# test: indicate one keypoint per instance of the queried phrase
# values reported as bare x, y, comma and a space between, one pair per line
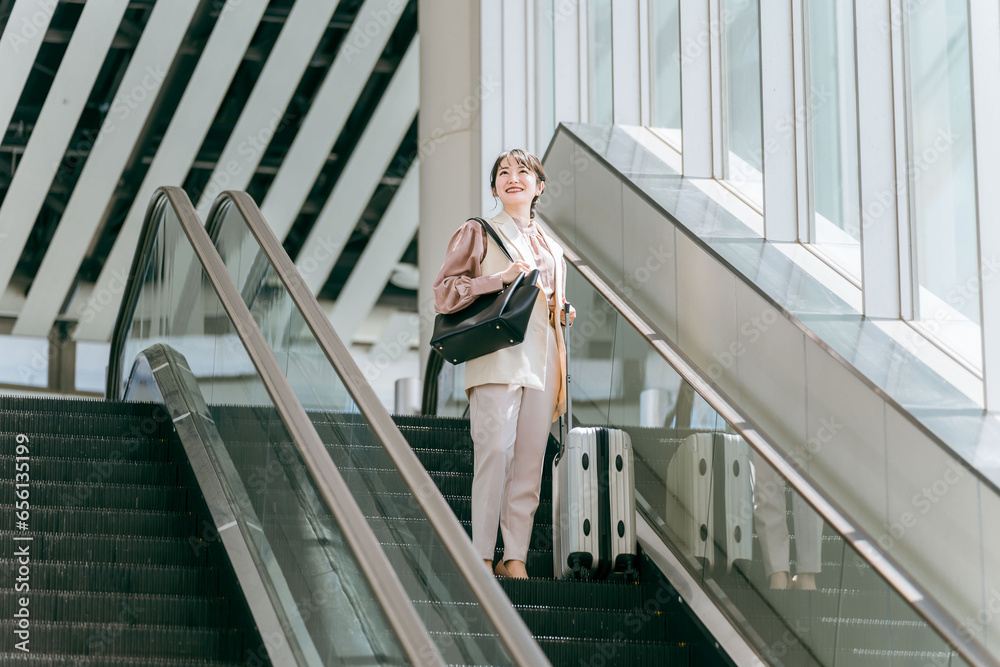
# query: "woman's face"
516, 185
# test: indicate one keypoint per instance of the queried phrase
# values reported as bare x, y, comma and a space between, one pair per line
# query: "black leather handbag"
491, 322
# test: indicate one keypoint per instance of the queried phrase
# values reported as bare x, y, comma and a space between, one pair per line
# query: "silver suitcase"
710, 497
593, 502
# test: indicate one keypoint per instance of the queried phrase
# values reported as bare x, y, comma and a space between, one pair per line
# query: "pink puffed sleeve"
459, 282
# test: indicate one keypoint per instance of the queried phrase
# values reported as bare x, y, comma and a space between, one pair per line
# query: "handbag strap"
496, 237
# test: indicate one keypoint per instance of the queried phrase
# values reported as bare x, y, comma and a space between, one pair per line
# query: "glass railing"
472, 621
336, 597
723, 497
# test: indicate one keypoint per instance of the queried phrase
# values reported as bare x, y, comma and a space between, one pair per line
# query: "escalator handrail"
382, 579
518, 641
939, 618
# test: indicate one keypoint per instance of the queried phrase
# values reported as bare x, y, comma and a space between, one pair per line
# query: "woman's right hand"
512, 271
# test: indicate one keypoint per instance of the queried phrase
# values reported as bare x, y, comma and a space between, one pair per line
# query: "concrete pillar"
451, 182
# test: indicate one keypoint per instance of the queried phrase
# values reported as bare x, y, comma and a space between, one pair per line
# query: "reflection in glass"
941, 171
599, 48
741, 55
665, 63
833, 131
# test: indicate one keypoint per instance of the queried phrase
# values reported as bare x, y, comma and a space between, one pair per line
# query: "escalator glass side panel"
442, 597
315, 583
801, 592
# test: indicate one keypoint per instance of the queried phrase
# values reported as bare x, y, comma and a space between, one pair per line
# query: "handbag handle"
493, 235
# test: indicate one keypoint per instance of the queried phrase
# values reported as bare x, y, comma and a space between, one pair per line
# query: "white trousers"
510, 429
771, 523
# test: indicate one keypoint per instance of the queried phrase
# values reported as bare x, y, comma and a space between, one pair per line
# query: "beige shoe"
511, 568
779, 581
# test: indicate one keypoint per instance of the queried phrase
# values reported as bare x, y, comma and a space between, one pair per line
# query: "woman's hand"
512, 271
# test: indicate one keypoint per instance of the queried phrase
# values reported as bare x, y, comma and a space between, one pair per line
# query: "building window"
601, 82
665, 64
742, 107
831, 104
545, 86
944, 253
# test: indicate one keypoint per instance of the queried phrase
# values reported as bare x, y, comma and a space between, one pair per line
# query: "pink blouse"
459, 282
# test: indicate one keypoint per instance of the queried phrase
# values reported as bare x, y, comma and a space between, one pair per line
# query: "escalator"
345, 531
111, 564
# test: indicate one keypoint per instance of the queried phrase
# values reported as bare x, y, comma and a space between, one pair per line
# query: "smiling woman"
515, 393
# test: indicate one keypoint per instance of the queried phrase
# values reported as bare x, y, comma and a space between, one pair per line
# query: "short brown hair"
525, 159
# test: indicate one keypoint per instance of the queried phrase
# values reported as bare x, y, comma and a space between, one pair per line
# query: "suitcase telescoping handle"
566, 426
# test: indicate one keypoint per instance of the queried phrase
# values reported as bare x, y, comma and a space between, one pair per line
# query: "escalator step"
97, 495
108, 549
76, 406
431, 423
38, 660
156, 426
103, 522
576, 594
862, 657
98, 449
618, 649
87, 639
82, 470
76, 607
119, 577
571, 623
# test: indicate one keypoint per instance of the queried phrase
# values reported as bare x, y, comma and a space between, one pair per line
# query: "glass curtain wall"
599, 50
741, 57
831, 104
944, 250
665, 66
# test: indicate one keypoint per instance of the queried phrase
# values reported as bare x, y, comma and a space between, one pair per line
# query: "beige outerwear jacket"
523, 364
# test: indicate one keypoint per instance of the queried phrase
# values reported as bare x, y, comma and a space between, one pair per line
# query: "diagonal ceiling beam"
271, 94
52, 132
388, 243
130, 109
216, 67
328, 112
19, 44
362, 173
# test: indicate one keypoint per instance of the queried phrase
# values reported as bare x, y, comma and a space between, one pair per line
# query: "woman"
514, 394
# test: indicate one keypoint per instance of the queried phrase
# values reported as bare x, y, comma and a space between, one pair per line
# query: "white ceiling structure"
309, 106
